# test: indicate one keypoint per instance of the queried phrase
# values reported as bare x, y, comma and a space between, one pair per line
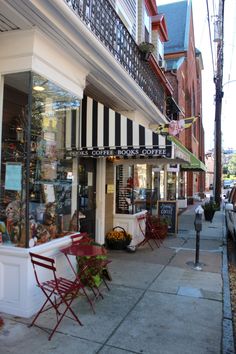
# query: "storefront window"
181, 185
137, 188
171, 185
124, 189
38, 192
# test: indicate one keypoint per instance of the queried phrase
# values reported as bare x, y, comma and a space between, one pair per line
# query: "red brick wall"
186, 82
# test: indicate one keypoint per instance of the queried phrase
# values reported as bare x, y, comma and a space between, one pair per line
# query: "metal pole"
218, 107
197, 249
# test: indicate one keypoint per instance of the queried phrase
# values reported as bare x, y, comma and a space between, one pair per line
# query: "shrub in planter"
210, 208
146, 49
92, 275
118, 238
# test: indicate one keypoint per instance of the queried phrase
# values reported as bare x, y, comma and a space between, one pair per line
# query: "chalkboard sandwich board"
167, 209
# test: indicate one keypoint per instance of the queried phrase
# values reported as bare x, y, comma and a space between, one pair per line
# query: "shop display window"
37, 181
181, 185
171, 185
136, 189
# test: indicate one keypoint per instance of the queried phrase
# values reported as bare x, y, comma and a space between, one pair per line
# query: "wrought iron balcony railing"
103, 21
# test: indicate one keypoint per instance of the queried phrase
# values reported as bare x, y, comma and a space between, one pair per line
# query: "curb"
227, 322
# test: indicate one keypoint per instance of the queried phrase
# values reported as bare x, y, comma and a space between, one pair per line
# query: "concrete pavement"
157, 304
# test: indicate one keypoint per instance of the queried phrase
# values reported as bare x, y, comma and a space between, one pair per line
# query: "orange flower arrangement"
118, 238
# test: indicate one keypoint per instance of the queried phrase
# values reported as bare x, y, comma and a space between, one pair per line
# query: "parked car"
228, 184
230, 214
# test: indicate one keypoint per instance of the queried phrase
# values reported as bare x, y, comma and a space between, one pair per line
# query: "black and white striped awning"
104, 132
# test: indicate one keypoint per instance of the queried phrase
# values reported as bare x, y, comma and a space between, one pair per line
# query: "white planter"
130, 224
182, 203
19, 294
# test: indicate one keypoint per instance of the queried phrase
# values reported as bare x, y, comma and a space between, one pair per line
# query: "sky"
202, 42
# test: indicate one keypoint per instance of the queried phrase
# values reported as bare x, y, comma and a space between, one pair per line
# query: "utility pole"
218, 79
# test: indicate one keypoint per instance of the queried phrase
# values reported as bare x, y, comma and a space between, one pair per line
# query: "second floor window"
160, 49
146, 26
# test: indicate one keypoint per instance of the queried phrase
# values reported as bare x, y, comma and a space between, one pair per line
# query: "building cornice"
159, 24
151, 7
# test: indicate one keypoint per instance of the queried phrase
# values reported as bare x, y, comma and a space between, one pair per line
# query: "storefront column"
165, 182
74, 186
100, 200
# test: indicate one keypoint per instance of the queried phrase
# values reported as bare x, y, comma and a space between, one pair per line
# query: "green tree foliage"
232, 165
225, 169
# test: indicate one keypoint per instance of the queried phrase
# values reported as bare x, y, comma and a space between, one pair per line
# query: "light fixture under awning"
104, 132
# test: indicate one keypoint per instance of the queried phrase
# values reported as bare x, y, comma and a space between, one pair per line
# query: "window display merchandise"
37, 174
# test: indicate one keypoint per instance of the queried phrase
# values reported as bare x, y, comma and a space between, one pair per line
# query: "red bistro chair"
152, 230
82, 237
58, 291
146, 231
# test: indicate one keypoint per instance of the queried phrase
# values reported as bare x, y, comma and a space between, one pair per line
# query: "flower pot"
145, 55
117, 239
117, 244
146, 50
209, 214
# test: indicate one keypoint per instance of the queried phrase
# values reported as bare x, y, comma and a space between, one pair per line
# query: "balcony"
100, 17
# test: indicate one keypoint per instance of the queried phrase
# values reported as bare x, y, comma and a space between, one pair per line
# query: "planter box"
182, 203
130, 224
20, 296
209, 214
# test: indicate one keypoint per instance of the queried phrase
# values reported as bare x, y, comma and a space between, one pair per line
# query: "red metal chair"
152, 230
147, 231
82, 237
58, 291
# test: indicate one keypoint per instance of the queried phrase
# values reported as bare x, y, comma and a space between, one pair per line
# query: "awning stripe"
141, 135
73, 128
155, 139
106, 127
123, 132
136, 135
104, 132
117, 129
112, 130
83, 121
129, 132
95, 124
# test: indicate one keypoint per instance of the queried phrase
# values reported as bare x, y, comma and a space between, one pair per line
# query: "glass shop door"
87, 195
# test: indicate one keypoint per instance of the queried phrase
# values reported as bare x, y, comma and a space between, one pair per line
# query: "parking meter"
198, 228
198, 222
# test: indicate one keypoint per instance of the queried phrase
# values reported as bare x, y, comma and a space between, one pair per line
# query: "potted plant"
210, 208
146, 49
118, 238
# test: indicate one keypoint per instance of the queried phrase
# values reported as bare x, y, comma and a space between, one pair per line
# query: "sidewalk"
157, 304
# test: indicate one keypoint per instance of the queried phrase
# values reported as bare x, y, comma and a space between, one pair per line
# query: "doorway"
87, 195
